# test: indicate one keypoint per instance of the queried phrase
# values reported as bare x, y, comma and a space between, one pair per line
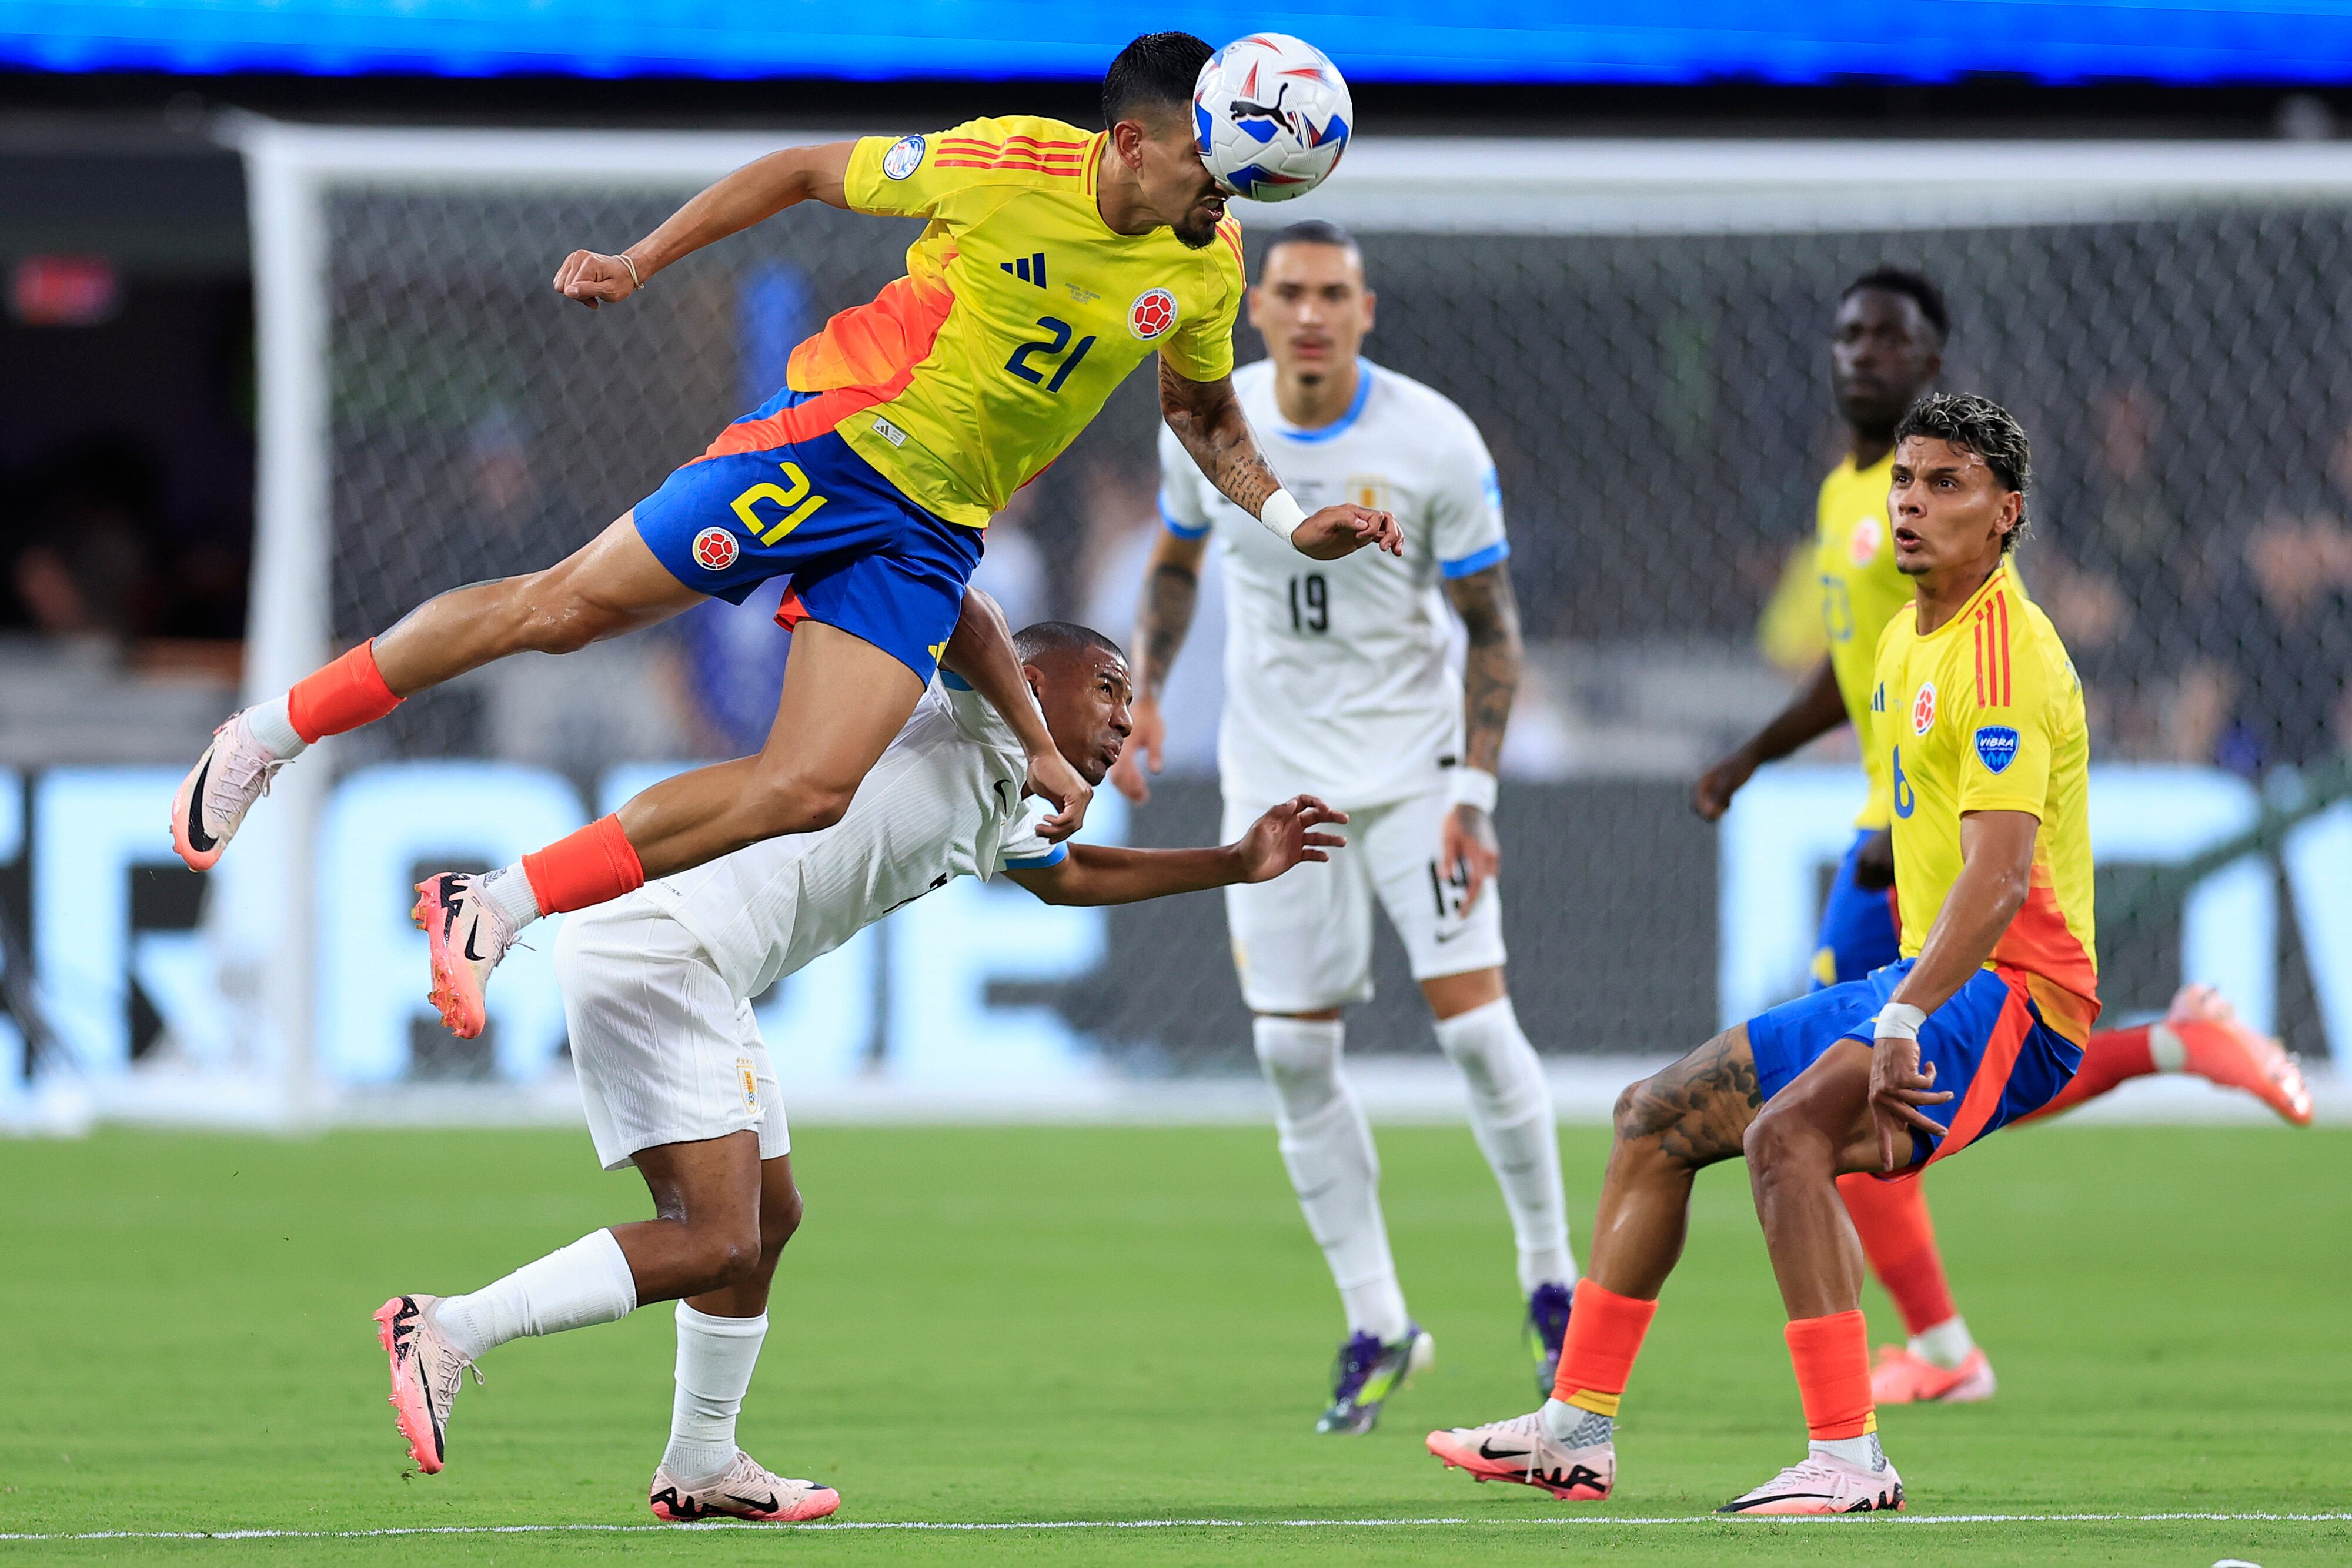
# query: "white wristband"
1281, 515
1473, 787
1898, 1020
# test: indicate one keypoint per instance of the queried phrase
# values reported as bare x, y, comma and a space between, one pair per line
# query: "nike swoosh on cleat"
768, 1505
198, 840
1776, 1497
470, 930
1488, 1451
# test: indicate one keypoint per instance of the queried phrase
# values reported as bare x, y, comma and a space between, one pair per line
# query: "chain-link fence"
1659, 411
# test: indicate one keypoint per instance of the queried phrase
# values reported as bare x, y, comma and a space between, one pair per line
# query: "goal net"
1640, 329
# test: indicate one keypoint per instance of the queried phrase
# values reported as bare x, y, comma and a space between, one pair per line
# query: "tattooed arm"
1207, 418
1169, 592
1490, 679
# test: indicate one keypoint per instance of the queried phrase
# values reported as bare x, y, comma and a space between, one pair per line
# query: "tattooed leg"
1669, 1125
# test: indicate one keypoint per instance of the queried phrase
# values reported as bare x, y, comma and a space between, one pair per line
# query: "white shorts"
1303, 942
664, 1052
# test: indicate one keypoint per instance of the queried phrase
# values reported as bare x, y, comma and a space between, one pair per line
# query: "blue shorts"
1859, 931
862, 557
1991, 1049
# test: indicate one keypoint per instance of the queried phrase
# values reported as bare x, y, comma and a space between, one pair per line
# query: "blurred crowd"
94, 550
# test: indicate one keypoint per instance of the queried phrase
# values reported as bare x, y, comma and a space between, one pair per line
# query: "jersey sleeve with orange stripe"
1985, 713
994, 153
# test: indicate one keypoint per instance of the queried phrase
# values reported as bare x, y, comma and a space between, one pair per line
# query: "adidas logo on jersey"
1029, 268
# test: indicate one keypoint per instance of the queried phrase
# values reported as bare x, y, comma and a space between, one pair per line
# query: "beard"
1195, 235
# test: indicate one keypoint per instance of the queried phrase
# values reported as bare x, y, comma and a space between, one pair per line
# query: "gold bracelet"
634, 281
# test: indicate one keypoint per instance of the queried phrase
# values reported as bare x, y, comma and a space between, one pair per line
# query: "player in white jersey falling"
657, 994
1337, 682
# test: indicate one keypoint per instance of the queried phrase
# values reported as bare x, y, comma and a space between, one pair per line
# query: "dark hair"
1980, 425
1154, 74
1914, 287
1032, 644
1307, 231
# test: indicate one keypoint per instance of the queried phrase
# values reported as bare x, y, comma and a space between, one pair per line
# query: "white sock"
715, 1358
1863, 1453
509, 890
586, 1282
1575, 1425
1328, 1146
1511, 1114
274, 727
1946, 1345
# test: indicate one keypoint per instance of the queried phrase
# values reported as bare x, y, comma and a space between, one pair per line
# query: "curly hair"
1978, 426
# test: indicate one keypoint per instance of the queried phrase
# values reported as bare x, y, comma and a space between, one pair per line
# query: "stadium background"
276, 358
1645, 358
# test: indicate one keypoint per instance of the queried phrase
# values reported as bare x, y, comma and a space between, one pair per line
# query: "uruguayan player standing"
1337, 680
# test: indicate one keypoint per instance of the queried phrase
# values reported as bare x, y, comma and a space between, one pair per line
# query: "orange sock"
1604, 1335
342, 696
1899, 1239
1832, 1359
2112, 1057
593, 865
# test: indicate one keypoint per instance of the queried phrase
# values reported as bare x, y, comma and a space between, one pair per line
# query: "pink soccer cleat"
1902, 1377
2201, 1034
1822, 1485
744, 1489
426, 1373
1523, 1449
467, 935
233, 771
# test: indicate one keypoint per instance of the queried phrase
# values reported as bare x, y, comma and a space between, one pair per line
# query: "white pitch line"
1589, 1519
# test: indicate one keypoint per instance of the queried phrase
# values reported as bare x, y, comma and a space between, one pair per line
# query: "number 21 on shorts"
793, 497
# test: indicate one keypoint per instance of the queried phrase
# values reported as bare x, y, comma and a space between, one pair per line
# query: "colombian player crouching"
1978, 712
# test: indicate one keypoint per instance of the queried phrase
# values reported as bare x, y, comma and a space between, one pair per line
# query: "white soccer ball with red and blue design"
1272, 116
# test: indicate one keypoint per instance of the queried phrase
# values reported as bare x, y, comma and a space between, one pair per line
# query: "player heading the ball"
1053, 262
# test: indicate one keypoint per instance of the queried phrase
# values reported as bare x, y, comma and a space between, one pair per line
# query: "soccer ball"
1272, 117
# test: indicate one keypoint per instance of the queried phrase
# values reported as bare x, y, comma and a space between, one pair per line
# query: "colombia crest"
1152, 314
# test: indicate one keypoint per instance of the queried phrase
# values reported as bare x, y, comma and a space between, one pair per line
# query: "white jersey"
944, 801
1336, 676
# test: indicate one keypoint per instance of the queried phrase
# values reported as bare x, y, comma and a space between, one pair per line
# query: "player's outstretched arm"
1172, 587
1816, 709
1995, 871
1490, 681
980, 653
1207, 418
1104, 873
759, 189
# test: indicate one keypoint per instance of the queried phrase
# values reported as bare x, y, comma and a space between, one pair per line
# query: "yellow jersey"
1019, 314
1853, 560
1985, 713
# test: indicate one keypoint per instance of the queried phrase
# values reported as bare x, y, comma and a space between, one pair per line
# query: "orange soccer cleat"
2201, 1034
1902, 1377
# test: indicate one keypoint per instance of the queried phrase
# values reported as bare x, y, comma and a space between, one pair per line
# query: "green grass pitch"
1003, 1325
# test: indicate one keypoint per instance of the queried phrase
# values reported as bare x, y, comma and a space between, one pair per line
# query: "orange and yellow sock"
1831, 1356
1604, 1335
